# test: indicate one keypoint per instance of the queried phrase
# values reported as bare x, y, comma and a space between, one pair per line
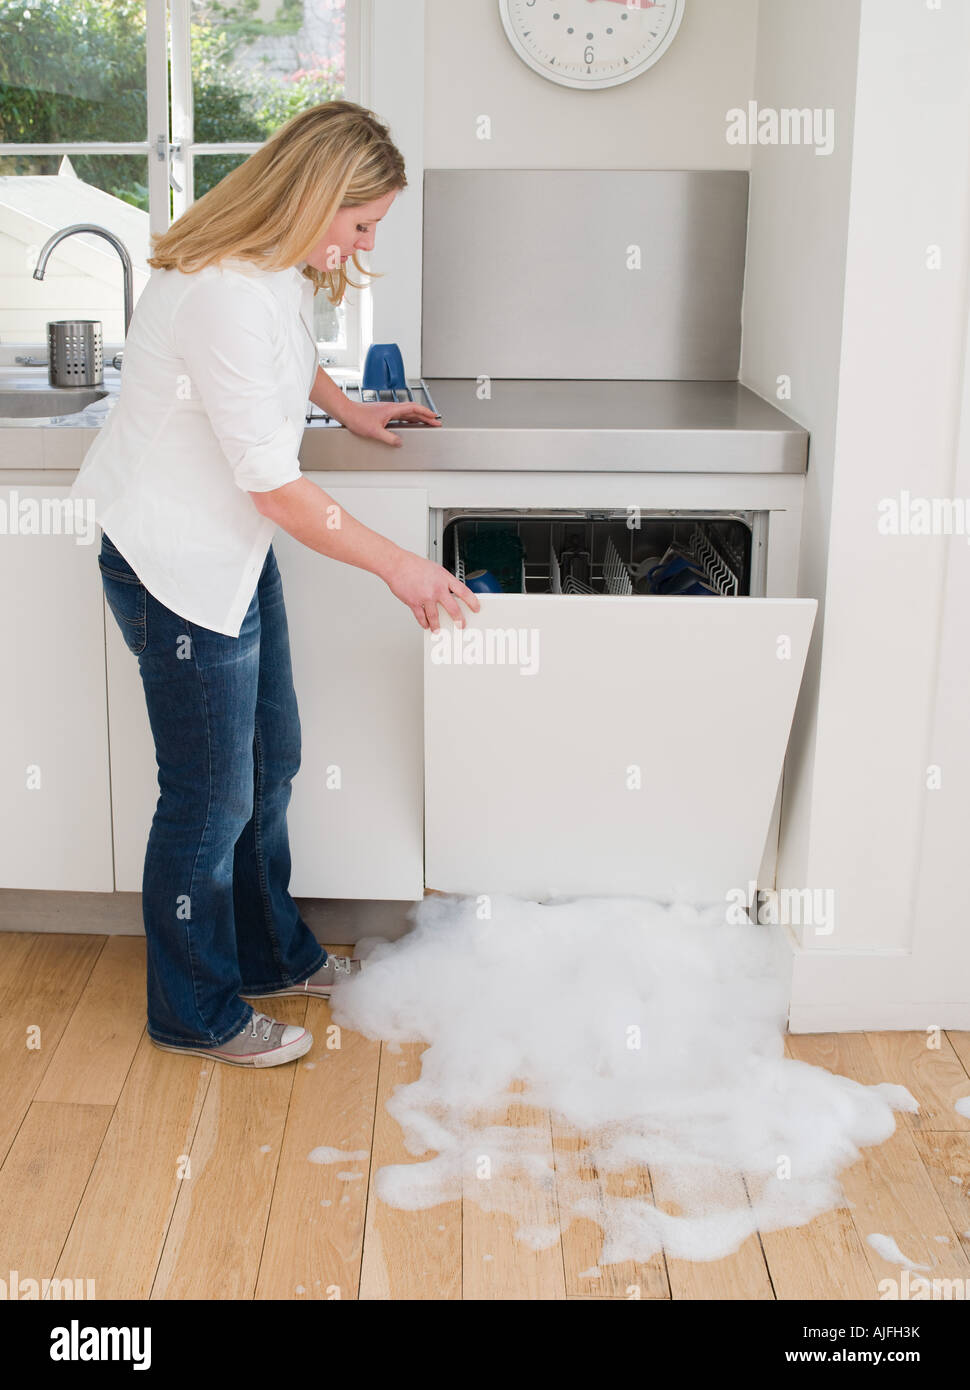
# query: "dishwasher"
728, 549
587, 733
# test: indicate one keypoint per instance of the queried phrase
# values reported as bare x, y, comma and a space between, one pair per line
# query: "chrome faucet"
116, 242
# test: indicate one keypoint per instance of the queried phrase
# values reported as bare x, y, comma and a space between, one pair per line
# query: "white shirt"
218, 367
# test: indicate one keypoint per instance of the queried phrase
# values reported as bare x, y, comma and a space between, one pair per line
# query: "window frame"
170, 149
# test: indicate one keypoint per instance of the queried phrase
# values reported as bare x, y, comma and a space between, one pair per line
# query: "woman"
194, 469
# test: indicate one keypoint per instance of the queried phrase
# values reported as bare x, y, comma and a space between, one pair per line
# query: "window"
120, 112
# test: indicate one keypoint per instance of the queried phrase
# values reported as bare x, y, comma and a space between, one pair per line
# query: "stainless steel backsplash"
528, 273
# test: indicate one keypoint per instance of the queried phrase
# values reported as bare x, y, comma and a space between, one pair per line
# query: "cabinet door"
356, 814
608, 745
134, 776
53, 708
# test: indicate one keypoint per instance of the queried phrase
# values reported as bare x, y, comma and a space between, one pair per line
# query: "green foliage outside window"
76, 71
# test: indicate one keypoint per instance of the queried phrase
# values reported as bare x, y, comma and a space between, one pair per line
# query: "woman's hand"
369, 419
422, 585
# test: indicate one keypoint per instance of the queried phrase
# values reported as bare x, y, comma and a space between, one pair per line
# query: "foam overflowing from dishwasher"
649, 1034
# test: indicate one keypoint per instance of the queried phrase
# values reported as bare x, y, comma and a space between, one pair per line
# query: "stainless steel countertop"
535, 426
607, 405
586, 426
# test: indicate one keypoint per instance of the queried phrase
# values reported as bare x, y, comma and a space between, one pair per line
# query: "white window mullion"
358, 48
75, 147
183, 116
156, 71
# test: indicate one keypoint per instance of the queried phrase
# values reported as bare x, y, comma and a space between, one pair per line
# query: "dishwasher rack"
727, 548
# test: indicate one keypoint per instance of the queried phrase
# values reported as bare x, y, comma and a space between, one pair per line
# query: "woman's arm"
311, 516
368, 419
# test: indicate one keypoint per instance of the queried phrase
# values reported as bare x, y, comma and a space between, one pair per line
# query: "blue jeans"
219, 918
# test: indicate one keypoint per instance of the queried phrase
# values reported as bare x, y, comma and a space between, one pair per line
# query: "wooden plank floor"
158, 1176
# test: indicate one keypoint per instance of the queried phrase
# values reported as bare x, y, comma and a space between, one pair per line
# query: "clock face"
591, 43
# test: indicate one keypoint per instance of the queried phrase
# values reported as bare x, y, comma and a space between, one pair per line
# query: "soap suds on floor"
323, 1154
889, 1250
962, 1107
652, 1033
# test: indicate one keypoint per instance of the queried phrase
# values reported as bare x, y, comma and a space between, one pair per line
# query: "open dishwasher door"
604, 745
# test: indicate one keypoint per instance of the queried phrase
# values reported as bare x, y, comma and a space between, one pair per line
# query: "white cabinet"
54, 745
605, 744
356, 814
134, 778
355, 817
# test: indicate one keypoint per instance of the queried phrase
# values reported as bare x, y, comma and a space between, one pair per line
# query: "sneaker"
321, 982
263, 1042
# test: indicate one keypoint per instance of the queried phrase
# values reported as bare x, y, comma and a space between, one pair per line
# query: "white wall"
671, 117
436, 66
390, 54
891, 961
941, 948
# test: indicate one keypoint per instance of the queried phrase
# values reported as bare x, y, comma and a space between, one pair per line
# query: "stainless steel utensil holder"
74, 352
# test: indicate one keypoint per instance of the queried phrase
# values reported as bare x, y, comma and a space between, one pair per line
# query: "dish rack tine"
555, 574
719, 575
459, 559
569, 585
615, 572
731, 576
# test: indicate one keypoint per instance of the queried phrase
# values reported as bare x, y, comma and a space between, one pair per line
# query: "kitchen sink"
34, 402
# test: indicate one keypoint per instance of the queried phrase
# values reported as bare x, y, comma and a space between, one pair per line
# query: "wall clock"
591, 43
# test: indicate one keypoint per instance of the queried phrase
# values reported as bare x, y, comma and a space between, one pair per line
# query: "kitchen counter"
524, 426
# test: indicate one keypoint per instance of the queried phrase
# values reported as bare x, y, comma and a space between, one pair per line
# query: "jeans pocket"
126, 597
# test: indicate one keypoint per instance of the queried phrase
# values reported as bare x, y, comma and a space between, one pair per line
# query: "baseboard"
333, 921
883, 1016
890, 990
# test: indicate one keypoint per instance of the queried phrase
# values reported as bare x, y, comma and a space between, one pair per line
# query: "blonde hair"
273, 208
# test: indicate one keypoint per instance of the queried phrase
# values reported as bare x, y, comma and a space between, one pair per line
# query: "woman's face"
352, 229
